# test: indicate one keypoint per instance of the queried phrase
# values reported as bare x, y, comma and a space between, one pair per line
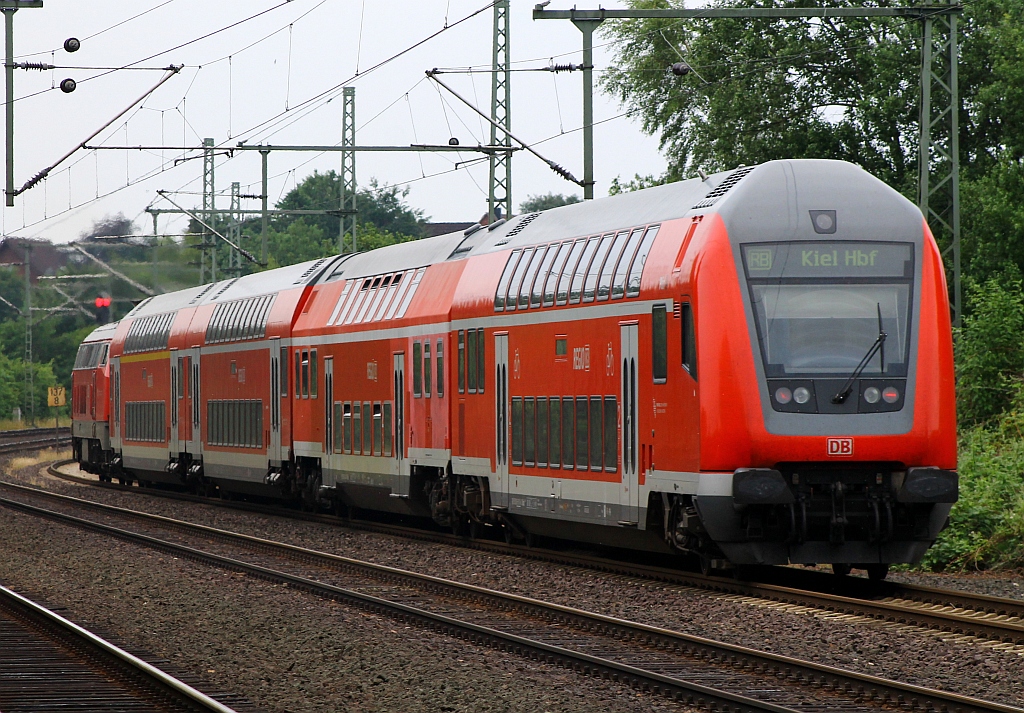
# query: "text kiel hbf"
826, 258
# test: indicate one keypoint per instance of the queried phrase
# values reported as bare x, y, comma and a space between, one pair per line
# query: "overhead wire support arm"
564, 173
141, 288
245, 253
171, 71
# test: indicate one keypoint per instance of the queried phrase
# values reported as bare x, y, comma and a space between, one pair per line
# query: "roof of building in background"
47, 258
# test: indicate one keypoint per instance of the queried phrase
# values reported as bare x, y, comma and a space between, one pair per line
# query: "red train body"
90, 401
756, 367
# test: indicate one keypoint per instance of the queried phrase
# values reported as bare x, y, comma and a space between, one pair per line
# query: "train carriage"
90, 403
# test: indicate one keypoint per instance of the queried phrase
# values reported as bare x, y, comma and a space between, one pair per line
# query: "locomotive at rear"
828, 429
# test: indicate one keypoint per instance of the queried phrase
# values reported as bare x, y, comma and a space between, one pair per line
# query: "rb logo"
839, 447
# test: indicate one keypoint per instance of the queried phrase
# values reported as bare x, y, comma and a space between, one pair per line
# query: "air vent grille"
310, 270
520, 227
724, 187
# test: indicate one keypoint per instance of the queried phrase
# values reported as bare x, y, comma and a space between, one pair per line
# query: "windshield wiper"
879, 344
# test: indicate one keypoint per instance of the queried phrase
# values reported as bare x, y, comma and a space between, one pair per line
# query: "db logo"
839, 447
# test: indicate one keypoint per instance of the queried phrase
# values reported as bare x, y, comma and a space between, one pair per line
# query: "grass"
47, 422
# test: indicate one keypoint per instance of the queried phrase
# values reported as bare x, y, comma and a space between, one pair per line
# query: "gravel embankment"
920, 658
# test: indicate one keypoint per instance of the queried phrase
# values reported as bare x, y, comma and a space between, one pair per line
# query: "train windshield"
820, 306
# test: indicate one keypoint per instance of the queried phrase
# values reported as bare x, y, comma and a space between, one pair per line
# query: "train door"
501, 405
175, 443
195, 444
401, 482
274, 452
328, 408
115, 402
629, 492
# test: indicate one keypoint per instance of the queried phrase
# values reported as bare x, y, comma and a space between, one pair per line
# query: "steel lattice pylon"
939, 162
235, 230
209, 205
348, 213
500, 195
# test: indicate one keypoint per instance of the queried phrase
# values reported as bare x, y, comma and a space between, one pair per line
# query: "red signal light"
99, 302
102, 302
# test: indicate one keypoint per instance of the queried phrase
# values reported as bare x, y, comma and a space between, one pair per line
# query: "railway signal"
102, 304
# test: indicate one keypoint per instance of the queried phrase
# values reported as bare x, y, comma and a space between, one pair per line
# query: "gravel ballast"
912, 656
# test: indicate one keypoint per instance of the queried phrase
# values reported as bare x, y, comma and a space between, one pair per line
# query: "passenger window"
604, 285
530, 277
517, 279
347, 420
417, 369
181, 377
462, 361
578, 275
596, 265
439, 357
387, 428
637, 269
305, 374
568, 432
659, 344
625, 260
542, 432
426, 368
338, 426
530, 432
596, 425
582, 453
471, 338
562, 295
378, 430
555, 437
357, 427
506, 277
367, 429
298, 378
556, 270
314, 369
611, 434
537, 294
689, 338
517, 430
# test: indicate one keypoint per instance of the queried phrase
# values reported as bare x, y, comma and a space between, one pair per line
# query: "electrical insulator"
453, 141
72, 44
68, 85
680, 69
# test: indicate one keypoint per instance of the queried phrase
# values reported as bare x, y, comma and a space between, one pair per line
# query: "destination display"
828, 259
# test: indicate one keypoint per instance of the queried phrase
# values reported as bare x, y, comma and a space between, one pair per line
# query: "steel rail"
98, 648
929, 608
744, 658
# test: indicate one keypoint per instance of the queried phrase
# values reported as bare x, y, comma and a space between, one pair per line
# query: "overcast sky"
253, 82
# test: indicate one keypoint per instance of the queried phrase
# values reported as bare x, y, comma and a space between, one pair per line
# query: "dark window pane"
427, 372
314, 369
689, 341
582, 459
578, 275
284, 371
596, 265
566, 277
506, 276
529, 277
298, 380
568, 432
556, 433
611, 434
357, 426
305, 373
636, 271
517, 431
387, 428
530, 432
471, 338
542, 431
556, 271
347, 417
377, 429
439, 357
417, 369
338, 424
596, 424
367, 429
517, 279
462, 361
481, 355
659, 343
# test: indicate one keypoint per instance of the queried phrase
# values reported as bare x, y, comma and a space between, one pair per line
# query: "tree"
110, 226
533, 204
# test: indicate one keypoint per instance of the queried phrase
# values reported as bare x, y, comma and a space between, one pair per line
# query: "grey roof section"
394, 258
168, 302
101, 334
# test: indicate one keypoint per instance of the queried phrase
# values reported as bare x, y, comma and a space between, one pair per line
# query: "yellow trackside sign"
55, 396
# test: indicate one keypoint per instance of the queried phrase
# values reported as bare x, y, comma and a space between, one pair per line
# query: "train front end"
90, 402
833, 429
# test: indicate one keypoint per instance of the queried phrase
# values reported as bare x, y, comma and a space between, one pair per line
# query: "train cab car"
755, 367
90, 378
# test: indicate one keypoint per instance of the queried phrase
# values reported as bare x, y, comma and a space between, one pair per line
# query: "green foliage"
990, 347
12, 387
637, 183
986, 527
533, 204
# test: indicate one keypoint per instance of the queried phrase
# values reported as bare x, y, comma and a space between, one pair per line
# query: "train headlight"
871, 395
783, 395
801, 394
891, 394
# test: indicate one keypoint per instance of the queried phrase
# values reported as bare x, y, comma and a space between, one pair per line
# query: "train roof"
101, 334
398, 257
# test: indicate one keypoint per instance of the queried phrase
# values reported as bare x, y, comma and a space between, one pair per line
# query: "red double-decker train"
755, 367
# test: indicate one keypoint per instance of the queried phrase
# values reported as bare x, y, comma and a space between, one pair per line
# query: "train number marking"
581, 358
839, 447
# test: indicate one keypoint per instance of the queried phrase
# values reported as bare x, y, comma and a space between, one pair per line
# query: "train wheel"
877, 572
841, 569
123, 480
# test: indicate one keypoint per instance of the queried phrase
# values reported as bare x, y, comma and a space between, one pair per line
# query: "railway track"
995, 620
48, 663
33, 438
688, 668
